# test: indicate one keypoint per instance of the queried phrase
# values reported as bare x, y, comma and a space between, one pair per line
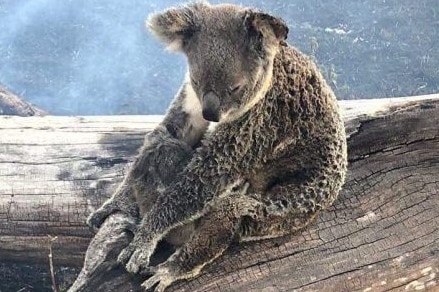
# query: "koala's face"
229, 51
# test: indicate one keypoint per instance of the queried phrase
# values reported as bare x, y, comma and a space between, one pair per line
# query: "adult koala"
276, 157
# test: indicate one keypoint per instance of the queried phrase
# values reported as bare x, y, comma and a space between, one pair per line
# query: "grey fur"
165, 152
276, 158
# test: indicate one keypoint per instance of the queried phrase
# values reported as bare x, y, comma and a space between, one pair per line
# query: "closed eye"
235, 89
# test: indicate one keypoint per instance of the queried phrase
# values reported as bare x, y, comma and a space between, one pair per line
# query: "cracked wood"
381, 234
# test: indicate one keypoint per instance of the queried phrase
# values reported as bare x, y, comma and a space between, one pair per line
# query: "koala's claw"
130, 224
138, 262
135, 259
95, 220
161, 277
149, 271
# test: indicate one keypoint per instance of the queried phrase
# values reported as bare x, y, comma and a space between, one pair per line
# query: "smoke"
85, 57
92, 57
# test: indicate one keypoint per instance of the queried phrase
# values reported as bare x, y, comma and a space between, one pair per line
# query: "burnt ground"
373, 48
31, 278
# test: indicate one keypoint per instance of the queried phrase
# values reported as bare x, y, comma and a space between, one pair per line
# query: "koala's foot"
164, 276
136, 255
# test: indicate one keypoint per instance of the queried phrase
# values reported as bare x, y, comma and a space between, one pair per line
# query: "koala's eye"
235, 88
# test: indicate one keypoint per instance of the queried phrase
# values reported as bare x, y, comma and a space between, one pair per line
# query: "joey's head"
230, 52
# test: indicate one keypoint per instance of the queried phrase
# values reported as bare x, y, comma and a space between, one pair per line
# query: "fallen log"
381, 234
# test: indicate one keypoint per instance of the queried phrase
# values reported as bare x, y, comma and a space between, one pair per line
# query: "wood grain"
381, 234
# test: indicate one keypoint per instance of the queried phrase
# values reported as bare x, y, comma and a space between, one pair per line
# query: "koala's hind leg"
213, 235
286, 209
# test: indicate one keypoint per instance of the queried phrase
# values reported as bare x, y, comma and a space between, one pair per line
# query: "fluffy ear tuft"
269, 26
175, 25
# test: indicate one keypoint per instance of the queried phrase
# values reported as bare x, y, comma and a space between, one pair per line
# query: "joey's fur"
164, 154
276, 157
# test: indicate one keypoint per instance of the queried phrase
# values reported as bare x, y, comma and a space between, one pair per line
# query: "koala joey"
276, 157
165, 152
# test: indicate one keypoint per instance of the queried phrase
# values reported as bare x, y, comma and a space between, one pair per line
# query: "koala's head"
230, 52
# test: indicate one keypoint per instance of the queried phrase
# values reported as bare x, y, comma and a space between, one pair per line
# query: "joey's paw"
95, 219
162, 278
130, 224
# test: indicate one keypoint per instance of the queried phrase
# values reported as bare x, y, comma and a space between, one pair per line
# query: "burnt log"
381, 234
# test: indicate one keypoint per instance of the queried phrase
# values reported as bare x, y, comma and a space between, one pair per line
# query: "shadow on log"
381, 234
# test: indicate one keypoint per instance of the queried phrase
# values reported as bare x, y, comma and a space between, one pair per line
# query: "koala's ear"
269, 26
175, 25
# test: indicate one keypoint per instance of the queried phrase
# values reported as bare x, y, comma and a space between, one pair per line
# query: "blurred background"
95, 57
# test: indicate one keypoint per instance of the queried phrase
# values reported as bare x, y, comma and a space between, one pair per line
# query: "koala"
276, 157
164, 154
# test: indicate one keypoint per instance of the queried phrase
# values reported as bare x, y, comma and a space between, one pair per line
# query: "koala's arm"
165, 152
183, 202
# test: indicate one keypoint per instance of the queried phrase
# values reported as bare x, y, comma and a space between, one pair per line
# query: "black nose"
211, 107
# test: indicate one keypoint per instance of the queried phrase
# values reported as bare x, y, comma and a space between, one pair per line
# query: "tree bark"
381, 234
11, 104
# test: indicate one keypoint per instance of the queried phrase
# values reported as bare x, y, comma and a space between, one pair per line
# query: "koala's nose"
211, 107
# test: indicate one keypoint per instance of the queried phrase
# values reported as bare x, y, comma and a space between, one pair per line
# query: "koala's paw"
135, 257
114, 205
163, 277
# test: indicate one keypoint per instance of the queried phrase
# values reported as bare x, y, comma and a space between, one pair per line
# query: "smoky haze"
92, 57
82, 56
